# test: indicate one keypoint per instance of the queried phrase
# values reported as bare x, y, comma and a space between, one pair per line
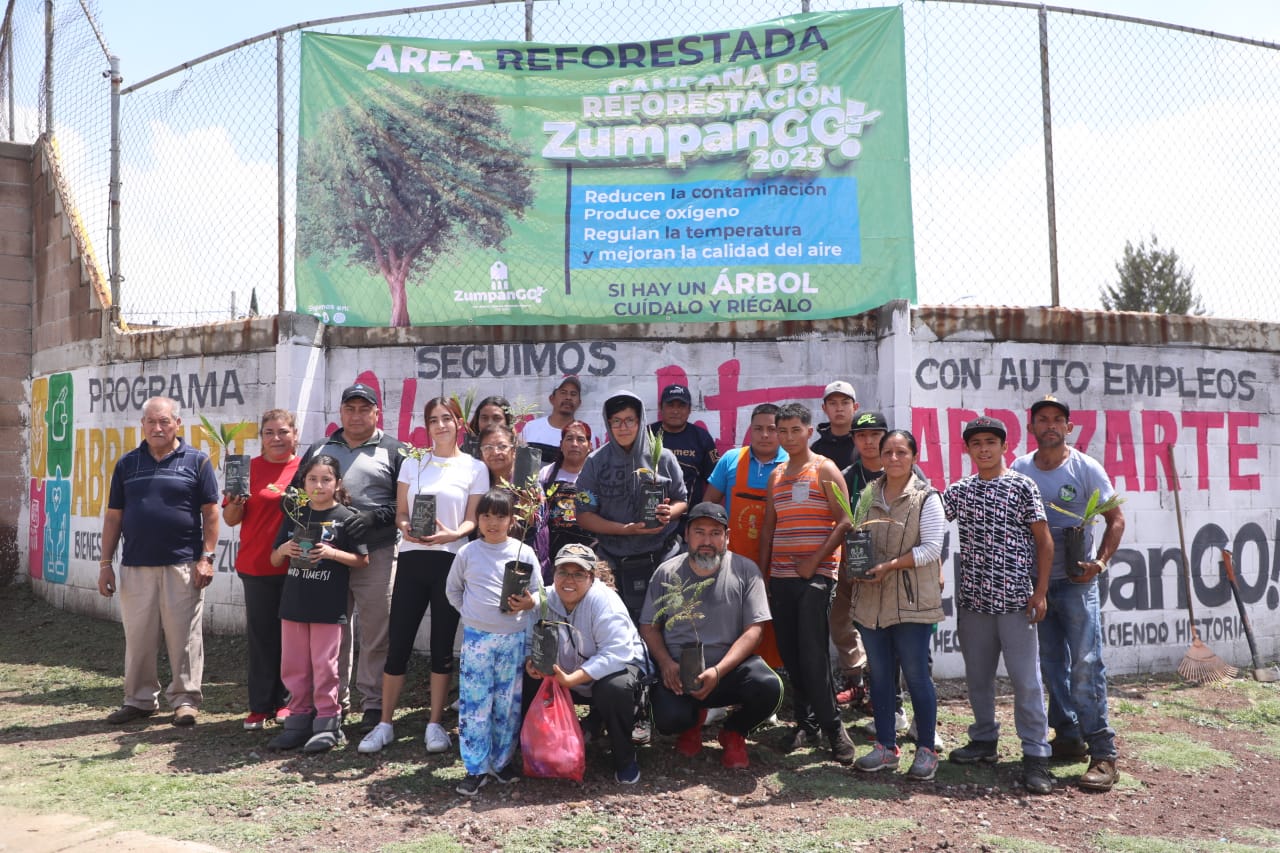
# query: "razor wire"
1155, 130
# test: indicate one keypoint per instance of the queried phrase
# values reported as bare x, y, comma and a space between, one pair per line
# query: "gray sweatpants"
983, 638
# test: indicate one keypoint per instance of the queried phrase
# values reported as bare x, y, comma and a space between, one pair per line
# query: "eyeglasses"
573, 576
495, 448
624, 423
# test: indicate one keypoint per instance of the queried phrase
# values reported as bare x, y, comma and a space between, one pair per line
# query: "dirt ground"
1199, 772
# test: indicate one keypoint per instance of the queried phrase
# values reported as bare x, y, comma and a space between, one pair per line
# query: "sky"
151, 36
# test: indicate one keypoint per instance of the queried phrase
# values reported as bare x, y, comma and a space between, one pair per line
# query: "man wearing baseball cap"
370, 460
835, 436
1071, 634
1001, 582
544, 433
732, 609
692, 445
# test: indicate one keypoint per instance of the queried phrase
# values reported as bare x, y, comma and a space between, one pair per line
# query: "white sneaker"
437, 739
383, 735
642, 732
900, 725
938, 743
716, 715
453, 706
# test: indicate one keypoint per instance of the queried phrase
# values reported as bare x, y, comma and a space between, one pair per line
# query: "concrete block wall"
16, 283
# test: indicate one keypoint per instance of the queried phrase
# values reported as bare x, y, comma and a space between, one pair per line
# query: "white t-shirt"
540, 431
453, 480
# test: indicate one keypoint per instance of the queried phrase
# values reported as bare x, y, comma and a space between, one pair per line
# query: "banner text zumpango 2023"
749, 174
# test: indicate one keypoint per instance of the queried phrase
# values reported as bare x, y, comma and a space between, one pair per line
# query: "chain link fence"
1155, 130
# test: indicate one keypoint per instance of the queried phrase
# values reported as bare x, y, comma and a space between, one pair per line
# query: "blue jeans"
907, 644
1071, 664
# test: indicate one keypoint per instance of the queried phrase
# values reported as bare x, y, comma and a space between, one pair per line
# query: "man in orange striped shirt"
800, 542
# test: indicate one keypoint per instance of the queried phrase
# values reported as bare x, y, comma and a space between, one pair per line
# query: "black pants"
420, 582
613, 705
267, 693
751, 685
801, 609
631, 575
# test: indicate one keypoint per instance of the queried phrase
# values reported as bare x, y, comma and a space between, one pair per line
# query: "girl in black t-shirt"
313, 609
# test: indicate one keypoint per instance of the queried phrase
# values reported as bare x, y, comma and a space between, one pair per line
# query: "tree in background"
403, 177
1153, 280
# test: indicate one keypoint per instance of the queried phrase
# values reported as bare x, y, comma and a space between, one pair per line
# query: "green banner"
752, 174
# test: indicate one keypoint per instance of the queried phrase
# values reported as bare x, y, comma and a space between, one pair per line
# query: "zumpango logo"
499, 295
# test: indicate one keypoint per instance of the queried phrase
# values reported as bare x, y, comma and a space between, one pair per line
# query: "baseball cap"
839, 387
870, 421
676, 392
579, 555
710, 510
984, 424
362, 391
1050, 400
570, 379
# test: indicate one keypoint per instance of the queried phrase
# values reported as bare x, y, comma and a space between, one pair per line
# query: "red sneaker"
255, 722
689, 743
735, 750
282, 715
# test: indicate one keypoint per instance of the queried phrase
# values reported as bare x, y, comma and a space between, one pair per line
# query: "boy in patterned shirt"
1006, 552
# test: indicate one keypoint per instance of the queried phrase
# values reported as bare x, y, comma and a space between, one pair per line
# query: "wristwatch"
209, 555
1103, 563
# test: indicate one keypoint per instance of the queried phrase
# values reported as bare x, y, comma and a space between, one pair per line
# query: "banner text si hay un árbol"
749, 174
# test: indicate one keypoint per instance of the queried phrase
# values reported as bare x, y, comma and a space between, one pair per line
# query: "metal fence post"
528, 20
1047, 118
280, 201
48, 68
113, 193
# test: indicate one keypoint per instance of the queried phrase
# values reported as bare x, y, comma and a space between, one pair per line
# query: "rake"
1199, 665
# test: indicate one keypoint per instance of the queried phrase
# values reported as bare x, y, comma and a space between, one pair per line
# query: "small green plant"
292, 502
857, 514
1094, 509
655, 457
465, 404
223, 435
681, 603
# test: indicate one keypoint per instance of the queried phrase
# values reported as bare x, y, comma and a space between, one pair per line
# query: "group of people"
678, 582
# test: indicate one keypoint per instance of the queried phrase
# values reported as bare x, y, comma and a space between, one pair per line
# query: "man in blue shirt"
1071, 634
164, 499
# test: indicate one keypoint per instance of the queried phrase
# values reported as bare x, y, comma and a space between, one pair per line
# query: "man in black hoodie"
835, 437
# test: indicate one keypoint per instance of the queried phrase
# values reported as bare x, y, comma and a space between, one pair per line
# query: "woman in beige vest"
897, 605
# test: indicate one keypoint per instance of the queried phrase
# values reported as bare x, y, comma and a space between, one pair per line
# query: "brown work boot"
1101, 775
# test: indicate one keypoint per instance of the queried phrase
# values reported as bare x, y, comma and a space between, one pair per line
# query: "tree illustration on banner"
400, 179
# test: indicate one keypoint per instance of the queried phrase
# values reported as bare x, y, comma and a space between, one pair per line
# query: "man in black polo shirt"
370, 461
164, 499
692, 445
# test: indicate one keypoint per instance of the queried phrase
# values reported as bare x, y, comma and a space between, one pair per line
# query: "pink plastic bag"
551, 739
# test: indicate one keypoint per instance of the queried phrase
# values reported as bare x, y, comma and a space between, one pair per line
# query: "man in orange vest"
739, 482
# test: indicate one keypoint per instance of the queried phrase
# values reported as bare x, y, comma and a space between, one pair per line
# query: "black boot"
326, 734
296, 732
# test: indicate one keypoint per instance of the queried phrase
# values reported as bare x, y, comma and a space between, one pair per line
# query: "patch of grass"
1176, 753
1125, 708
855, 829
1261, 714
436, 842
580, 829
1111, 843
1018, 845
1257, 833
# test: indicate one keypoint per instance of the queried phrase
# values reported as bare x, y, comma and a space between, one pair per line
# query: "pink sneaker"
282, 715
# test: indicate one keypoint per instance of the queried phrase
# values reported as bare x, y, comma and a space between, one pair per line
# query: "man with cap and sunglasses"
691, 444
1001, 581
370, 460
545, 433
1071, 634
732, 609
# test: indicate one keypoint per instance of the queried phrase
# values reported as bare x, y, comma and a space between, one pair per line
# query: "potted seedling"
305, 533
1073, 547
858, 558
516, 574
528, 459
652, 491
470, 440
544, 648
235, 466
681, 603
422, 515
